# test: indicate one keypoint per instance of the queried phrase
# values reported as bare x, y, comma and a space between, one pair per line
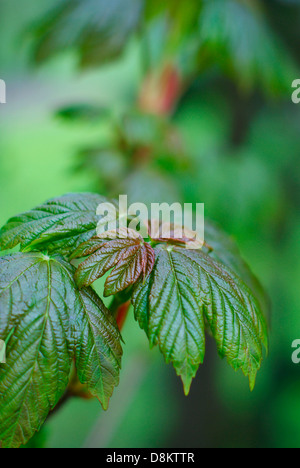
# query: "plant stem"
122, 314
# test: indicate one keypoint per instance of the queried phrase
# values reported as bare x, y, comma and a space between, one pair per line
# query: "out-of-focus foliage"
232, 34
137, 158
98, 29
82, 113
235, 35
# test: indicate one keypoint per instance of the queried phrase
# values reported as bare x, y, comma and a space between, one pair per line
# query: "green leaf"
233, 314
98, 29
32, 291
49, 321
130, 259
59, 225
226, 251
98, 348
187, 287
169, 308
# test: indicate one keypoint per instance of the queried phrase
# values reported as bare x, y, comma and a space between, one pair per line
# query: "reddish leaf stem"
121, 314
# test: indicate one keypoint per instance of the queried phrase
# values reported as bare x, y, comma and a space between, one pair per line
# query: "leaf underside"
187, 288
50, 322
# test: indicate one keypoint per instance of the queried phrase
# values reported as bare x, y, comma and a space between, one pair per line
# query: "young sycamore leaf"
49, 322
130, 259
59, 225
188, 288
177, 293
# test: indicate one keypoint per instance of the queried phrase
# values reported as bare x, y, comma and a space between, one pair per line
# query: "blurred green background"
194, 106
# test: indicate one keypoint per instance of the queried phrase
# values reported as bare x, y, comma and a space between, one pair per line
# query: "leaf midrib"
180, 301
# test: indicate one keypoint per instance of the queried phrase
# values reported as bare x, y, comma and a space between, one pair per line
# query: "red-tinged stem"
161, 91
121, 314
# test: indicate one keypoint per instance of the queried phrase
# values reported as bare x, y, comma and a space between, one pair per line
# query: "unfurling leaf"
59, 225
187, 287
174, 234
130, 258
49, 322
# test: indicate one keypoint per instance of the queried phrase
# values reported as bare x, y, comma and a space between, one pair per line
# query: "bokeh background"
173, 101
